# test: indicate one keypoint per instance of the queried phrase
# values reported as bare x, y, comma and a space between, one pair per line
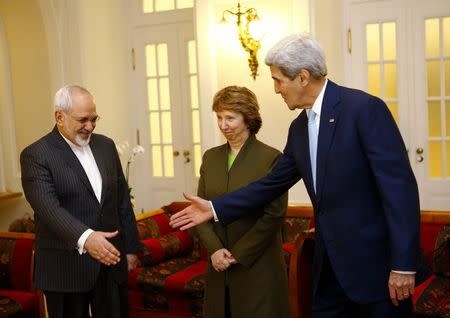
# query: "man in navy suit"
349, 152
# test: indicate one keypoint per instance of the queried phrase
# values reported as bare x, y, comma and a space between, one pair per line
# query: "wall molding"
9, 165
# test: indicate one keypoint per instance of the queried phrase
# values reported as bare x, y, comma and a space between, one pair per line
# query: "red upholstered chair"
169, 281
431, 298
17, 297
300, 275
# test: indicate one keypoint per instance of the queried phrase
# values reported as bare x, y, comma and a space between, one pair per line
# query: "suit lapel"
328, 121
70, 158
99, 157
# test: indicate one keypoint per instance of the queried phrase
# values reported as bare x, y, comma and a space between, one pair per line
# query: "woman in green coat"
246, 274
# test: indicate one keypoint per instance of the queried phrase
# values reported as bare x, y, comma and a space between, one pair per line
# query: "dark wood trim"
17, 235
300, 211
440, 217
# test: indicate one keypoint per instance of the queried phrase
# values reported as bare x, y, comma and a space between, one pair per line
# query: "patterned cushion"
293, 226
9, 307
442, 253
167, 246
22, 225
198, 250
153, 226
434, 300
25, 302
175, 285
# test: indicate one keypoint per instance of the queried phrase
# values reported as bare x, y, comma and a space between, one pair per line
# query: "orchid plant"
123, 148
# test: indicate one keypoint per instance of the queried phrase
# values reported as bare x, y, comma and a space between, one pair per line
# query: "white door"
431, 98
399, 50
168, 113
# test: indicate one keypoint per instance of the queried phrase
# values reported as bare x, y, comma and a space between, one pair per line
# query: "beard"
82, 141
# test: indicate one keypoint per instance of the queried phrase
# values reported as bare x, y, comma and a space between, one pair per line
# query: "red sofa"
17, 296
431, 297
170, 280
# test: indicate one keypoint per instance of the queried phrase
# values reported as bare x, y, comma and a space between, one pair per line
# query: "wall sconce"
249, 44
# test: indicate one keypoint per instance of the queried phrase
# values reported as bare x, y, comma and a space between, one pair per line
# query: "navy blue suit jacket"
366, 207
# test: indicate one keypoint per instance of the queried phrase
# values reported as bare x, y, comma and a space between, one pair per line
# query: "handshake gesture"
222, 259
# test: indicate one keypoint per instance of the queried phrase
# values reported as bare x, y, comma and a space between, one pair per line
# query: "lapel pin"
331, 120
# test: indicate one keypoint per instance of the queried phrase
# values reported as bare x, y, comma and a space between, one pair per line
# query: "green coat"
258, 282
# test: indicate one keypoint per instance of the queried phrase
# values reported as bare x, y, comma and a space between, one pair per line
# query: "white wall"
105, 61
328, 17
25, 97
88, 43
225, 62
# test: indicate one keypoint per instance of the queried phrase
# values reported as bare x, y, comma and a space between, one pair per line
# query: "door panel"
431, 47
401, 53
165, 80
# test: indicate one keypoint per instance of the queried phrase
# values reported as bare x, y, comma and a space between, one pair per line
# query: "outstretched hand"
198, 212
99, 247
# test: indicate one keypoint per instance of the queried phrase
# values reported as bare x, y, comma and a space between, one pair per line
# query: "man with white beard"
86, 237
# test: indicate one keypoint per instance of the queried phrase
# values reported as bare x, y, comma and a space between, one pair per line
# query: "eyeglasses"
84, 120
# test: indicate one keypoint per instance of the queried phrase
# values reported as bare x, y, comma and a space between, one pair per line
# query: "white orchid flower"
138, 149
122, 146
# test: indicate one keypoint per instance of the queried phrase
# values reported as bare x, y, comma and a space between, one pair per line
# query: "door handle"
186, 154
419, 152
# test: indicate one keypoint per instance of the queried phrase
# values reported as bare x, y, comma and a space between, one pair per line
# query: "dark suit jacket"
366, 208
64, 204
254, 240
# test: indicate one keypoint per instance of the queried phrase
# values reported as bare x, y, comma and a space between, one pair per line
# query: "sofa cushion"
18, 301
15, 263
431, 298
442, 253
153, 226
167, 246
173, 286
9, 307
293, 226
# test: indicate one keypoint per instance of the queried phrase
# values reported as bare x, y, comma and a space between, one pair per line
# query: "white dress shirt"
87, 160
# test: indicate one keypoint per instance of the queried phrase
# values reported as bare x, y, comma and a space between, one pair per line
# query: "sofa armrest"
300, 275
19, 256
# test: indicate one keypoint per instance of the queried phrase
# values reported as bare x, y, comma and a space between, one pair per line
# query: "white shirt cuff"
82, 240
403, 272
216, 219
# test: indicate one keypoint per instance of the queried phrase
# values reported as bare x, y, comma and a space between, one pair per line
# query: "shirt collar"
317, 106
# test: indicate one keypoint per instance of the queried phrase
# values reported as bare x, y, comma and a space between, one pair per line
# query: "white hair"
63, 97
296, 52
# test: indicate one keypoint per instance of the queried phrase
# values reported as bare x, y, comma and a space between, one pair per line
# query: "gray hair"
297, 52
63, 97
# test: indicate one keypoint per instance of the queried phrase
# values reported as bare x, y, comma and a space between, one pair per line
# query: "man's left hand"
401, 286
132, 261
